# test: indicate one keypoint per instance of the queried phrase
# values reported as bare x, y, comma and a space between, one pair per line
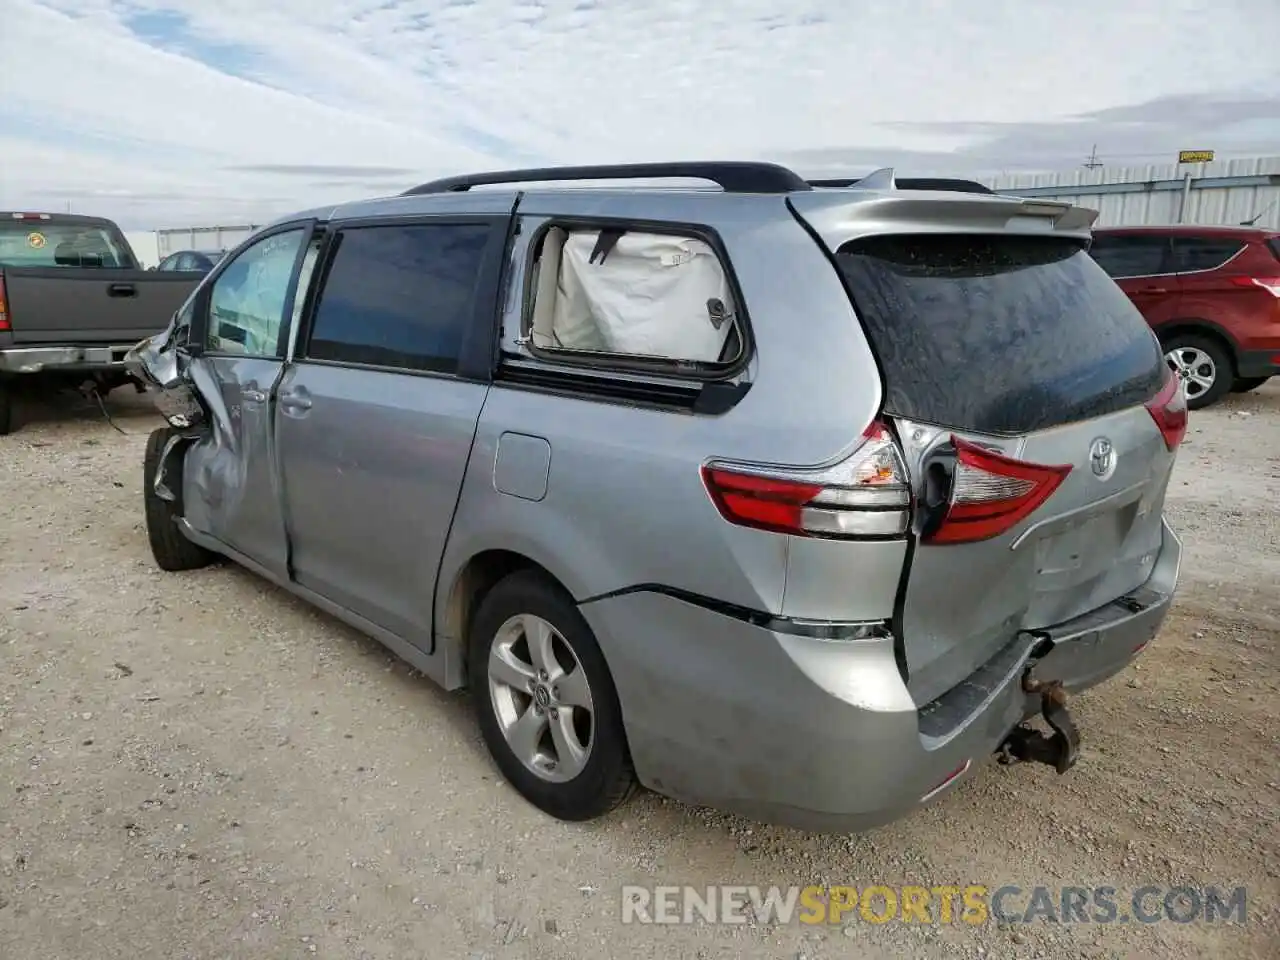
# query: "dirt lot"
200, 766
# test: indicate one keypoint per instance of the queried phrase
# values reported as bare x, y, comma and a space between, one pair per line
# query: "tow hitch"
1025, 743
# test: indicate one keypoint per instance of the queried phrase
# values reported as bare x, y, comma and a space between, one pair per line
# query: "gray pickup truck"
73, 300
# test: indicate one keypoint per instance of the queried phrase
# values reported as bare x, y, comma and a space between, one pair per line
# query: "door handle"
122, 290
294, 401
253, 396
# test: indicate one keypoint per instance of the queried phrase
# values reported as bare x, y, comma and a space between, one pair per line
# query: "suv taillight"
1269, 284
1168, 409
865, 495
992, 493
4, 308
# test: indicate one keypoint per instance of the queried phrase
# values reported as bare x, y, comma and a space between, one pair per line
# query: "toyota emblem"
1102, 458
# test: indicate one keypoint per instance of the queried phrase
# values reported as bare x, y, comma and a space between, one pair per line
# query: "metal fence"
202, 238
1227, 192
1223, 192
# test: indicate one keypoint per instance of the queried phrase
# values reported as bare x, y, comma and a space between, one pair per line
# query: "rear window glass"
1274, 244
36, 243
1131, 255
999, 334
1203, 253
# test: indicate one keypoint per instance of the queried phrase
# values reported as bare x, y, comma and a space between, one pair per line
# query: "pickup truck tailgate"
91, 305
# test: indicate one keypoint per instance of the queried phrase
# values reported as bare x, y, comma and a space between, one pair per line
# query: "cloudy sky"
174, 112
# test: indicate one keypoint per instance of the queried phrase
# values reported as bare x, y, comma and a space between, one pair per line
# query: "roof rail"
733, 176
918, 183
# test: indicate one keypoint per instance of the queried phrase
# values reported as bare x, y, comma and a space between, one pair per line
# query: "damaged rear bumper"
823, 735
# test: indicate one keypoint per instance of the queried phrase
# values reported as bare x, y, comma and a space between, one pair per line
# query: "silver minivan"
801, 500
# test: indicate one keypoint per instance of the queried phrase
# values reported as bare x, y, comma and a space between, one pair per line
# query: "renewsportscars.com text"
972, 904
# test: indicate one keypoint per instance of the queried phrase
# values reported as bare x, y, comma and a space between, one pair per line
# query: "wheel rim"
1194, 368
541, 698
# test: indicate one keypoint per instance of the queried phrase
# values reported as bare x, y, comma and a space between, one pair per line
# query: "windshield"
38, 243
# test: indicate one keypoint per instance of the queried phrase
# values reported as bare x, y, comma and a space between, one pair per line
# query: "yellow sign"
1195, 156
35, 240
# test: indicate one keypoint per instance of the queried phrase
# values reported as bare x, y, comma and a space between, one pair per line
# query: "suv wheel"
1245, 384
545, 701
172, 551
1204, 367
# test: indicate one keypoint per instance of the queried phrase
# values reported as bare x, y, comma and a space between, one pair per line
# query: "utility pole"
1092, 162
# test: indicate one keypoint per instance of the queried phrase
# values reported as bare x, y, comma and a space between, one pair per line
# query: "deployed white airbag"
649, 295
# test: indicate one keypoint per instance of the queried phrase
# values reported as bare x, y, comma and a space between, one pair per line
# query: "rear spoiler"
879, 204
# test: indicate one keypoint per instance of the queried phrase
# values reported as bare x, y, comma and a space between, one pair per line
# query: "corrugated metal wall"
1161, 202
144, 246
202, 238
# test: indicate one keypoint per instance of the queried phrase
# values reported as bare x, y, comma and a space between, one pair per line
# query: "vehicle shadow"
1264, 399
36, 403
449, 707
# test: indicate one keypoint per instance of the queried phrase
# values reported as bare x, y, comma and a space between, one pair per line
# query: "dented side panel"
231, 489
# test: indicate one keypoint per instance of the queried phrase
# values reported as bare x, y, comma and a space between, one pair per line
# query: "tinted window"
1130, 256
40, 243
1274, 244
247, 302
999, 334
1204, 253
399, 296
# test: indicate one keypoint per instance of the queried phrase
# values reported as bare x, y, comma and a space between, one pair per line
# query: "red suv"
1212, 295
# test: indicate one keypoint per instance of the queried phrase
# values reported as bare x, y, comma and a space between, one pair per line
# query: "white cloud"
150, 110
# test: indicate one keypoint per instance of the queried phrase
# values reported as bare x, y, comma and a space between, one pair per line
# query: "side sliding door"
377, 412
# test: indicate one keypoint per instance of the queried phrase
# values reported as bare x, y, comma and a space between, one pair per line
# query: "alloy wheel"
1194, 368
541, 698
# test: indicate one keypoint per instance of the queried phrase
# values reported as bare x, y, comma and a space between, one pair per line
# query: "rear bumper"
20, 360
822, 735
1258, 363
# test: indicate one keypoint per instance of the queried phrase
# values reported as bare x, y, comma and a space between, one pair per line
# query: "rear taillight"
866, 495
1168, 409
4, 308
1269, 284
992, 493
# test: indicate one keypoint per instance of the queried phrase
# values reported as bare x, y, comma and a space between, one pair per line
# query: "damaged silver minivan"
799, 500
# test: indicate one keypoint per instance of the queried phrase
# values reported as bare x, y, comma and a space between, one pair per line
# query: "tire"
6, 409
1204, 365
1245, 384
172, 551
575, 789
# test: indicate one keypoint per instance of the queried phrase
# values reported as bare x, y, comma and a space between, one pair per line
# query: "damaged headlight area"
159, 365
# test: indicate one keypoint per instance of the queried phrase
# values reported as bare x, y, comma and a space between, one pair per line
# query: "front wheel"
1204, 367
545, 700
1245, 384
172, 551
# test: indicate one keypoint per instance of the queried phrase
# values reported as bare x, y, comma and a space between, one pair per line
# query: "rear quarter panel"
624, 503
1248, 316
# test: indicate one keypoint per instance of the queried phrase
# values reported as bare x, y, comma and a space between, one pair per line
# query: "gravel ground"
198, 765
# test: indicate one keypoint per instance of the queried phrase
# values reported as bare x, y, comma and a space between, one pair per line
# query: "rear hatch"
1029, 396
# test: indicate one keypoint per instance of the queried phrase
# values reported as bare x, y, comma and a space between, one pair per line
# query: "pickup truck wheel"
6, 409
1245, 384
1203, 365
545, 701
172, 550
